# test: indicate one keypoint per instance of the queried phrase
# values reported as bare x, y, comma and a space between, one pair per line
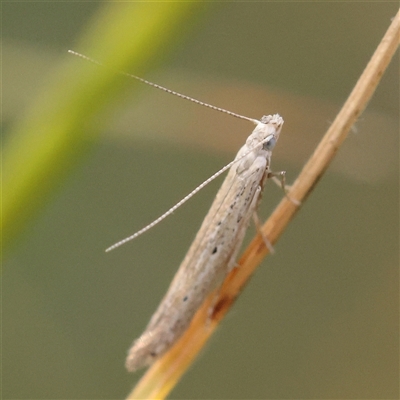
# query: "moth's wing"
207, 262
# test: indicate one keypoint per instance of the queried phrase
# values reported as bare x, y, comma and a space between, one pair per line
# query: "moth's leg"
267, 243
256, 220
280, 179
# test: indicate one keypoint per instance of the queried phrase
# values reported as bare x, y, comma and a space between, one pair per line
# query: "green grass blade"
59, 127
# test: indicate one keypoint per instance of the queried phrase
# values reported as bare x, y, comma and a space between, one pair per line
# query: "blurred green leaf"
59, 126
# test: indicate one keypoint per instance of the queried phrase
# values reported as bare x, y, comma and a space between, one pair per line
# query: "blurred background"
90, 157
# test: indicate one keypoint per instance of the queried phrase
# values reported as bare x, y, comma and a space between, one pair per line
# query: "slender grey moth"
213, 252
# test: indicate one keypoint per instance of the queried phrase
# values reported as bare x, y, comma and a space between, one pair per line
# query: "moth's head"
275, 121
271, 126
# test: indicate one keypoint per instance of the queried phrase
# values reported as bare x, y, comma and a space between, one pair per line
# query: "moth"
213, 252
212, 255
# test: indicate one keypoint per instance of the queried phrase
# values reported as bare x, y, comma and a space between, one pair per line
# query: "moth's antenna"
185, 199
254, 121
207, 181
